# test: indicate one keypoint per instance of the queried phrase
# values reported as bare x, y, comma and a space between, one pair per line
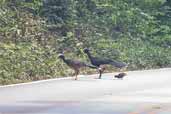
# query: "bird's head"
61, 56
86, 50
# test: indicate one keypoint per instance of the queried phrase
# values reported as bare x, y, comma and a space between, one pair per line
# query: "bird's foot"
97, 78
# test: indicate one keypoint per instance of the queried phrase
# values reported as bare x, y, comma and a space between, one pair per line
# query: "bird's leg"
101, 70
76, 74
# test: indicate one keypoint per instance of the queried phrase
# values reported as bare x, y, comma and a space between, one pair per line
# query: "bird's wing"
77, 63
83, 64
103, 61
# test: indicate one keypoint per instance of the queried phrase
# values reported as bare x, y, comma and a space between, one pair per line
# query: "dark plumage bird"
75, 65
99, 62
120, 75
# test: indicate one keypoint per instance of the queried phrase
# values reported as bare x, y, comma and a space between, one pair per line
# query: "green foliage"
27, 61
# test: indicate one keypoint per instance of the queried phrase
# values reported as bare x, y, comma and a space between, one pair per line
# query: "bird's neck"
64, 60
89, 56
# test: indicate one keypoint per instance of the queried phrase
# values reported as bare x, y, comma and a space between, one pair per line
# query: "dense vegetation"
33, 32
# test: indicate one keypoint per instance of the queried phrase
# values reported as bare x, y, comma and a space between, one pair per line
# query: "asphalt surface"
140, 92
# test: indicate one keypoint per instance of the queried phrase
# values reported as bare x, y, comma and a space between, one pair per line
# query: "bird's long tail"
118, 64
91, 66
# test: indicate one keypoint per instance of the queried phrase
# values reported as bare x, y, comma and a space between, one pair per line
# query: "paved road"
141, 92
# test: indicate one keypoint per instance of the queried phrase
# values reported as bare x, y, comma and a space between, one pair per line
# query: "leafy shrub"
28, 61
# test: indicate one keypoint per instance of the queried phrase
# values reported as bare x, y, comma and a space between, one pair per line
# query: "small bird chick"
120, 75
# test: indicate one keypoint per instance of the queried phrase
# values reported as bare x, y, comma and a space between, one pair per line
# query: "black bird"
99, 62
75, 65
120, 75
